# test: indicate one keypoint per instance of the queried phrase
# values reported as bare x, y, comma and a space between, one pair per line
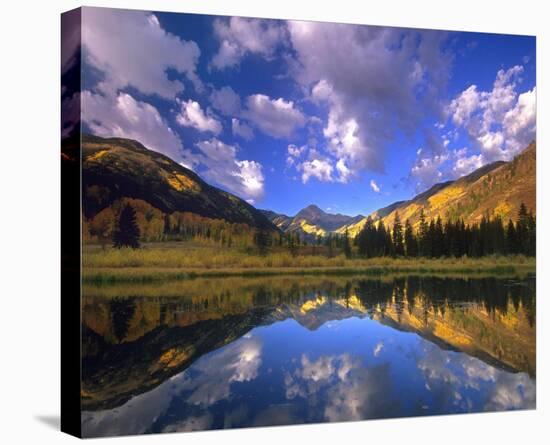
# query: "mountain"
280, 220
496, 189
116, 168
311, 221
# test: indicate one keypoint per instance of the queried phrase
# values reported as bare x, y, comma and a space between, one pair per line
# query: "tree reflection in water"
234, 352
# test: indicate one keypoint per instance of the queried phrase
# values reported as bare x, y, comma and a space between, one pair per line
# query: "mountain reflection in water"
235, 352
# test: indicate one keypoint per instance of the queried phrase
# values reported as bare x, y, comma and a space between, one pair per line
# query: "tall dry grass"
172, 261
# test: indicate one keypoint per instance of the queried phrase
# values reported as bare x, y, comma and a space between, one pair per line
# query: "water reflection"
226, 353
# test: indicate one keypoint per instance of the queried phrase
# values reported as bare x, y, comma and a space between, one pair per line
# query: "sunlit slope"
311, 221
116, 168
496, 189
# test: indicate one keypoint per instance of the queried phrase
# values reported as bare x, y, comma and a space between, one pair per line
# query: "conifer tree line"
432, 239
436, 238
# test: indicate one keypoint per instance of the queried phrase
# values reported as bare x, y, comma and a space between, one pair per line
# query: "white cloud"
127, 117
241, 129
343, 171
426, 170
374, 186
295, 151
462, 107
373, 81
192, 115
240, 36
520, 122
467, 164
226, 101
275, 117
218, 163
131, 49
316, 168
499, 121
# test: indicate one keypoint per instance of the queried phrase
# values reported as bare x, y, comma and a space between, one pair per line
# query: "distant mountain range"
495, 189
116, 168
311, 221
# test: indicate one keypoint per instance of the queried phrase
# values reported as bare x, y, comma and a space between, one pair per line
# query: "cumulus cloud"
131, 48
241, 129
124, 116
374, 186
499, 121
465, 164
373, 82
294, 153
344, 173
226, 101
462, 107
430, 169
192, 115
217, 162
239, 37
520, 122
316, 168
275, 117
426, 169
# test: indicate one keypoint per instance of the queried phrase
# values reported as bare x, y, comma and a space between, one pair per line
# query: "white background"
30, 218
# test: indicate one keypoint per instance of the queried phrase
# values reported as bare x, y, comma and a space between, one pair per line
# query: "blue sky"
288, 113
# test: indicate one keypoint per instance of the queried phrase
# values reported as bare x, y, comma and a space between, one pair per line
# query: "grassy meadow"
181, 260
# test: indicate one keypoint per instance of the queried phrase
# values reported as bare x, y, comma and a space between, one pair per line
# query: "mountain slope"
311, 221
496, 189
115, 168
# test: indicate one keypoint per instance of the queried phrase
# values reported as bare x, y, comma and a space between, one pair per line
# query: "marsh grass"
183, 261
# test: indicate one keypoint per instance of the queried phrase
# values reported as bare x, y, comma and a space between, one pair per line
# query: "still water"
234, 352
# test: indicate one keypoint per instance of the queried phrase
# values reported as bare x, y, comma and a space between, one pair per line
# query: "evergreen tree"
531, 235
430, 239
411, 243
386, 240
438, 239
262, 240
522, 229
365, 239
126, 233
330, 245
511, 239
423, 248
347, 246
398, 247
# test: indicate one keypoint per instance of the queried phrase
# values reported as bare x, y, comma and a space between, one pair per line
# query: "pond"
239, 352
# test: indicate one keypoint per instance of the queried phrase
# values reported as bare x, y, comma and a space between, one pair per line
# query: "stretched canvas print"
274, 222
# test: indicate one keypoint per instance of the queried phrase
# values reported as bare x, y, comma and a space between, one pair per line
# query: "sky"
290, 113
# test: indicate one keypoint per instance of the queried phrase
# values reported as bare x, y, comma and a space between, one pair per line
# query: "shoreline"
108, 275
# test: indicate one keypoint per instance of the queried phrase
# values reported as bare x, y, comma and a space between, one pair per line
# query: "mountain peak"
311, 210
